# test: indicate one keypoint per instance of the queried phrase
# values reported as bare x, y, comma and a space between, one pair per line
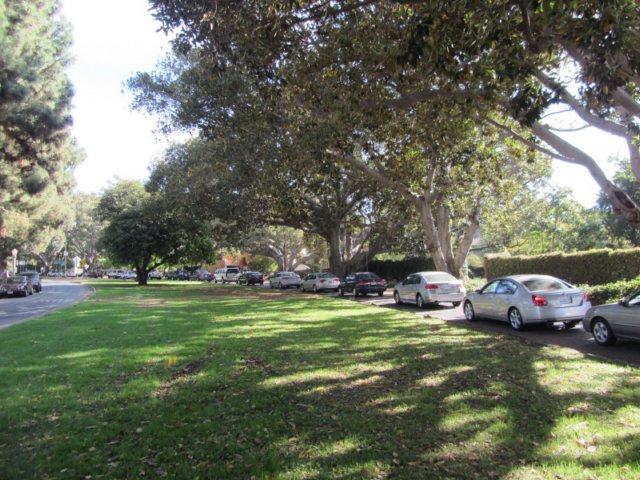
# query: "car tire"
356, 293
469, 312
515, 319
341, 292
380, 294
420, 301
602, 333
396, 298
456, 304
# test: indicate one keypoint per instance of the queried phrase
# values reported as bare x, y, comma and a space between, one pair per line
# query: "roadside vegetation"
185, 380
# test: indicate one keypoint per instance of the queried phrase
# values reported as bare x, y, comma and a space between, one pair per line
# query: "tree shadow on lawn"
270, 390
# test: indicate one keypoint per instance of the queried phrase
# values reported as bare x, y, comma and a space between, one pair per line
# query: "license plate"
565, 300
9, 292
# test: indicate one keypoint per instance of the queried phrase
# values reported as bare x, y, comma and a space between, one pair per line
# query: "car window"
506, 287
439, 277
369, 276
326, 275
351, 278
491, 287
635, 299
545, 283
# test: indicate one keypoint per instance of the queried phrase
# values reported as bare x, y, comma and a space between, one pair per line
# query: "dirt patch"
185, 374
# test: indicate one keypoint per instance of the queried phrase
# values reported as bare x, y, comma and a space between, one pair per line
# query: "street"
54, 295
576, 338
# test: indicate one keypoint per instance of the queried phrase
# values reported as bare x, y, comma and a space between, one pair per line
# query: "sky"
115, 39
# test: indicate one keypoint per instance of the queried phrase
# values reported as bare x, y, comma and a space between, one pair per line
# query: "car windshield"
439, 277
232, 270
326, 275
550, 284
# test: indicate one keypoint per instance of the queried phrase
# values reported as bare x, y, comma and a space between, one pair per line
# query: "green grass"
194, 381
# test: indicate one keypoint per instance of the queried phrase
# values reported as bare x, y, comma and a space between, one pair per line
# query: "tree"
84, 232
505, 54
620, 229
36, 151
146, 233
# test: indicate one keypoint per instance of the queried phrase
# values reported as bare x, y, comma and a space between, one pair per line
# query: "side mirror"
479, 290
624, 302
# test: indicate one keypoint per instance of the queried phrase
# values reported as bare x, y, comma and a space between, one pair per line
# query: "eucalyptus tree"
510, 55
36, 151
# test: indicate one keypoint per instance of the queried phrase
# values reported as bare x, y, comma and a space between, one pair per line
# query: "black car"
362, 283
17, 286
250, 278
35, 280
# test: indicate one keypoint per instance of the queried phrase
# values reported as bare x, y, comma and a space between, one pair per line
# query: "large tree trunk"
336, 264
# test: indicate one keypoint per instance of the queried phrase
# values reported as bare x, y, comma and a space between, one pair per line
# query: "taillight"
431, 286
586, 297
539, 301
322, 280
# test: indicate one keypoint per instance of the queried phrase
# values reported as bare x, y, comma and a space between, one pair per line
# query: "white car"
423, 288
284, 280
527, 299
316, 282
226, 275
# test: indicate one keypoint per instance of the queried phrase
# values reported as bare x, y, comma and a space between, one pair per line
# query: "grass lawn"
188, 381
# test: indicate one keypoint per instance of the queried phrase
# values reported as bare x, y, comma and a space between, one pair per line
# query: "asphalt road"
54, 295
576, 338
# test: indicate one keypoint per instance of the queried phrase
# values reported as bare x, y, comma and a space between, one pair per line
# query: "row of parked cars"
21, 285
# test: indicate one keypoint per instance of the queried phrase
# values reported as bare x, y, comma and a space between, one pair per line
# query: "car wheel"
515, 319
380, 294
396, 298
469, 312
341, 292
419, 301
602, 333
456, 304
356, 293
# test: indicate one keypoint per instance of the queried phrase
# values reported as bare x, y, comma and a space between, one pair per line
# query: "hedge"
594, 267
612, 292
399, 269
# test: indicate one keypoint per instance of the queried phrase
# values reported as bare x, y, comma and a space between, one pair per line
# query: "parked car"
250, 278
114, 273
609, 322
285, 280
202, 275
226, 275
423, 288
3, 290
19, 285
319, 281
154, 275
528, 299
35, 280
362, 283
128, 275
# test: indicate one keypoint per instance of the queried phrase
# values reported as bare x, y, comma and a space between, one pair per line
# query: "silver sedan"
609, 322
528, 299
429, 287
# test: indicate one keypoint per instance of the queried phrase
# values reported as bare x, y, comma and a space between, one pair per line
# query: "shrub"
397, 270
594, 267
612, 292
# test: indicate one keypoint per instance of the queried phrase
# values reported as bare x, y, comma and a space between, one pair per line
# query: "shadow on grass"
183, 381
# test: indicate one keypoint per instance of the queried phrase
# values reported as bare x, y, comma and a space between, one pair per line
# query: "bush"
612, 292
595, 267
397, 270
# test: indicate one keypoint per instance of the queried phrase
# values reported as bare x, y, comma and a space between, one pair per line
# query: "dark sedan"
250, 278
18, 286
362, 283
35, 280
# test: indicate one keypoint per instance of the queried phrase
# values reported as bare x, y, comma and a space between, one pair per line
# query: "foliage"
593, 267
618, 227
145, 232
613, 292
536, 223
36, 151
198, 381
398, 269
84, 233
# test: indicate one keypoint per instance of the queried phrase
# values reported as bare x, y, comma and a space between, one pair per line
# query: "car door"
503, 299
308, 282
484, 301
410, 288
628, 318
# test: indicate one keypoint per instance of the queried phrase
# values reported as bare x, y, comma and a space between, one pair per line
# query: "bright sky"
114, 39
